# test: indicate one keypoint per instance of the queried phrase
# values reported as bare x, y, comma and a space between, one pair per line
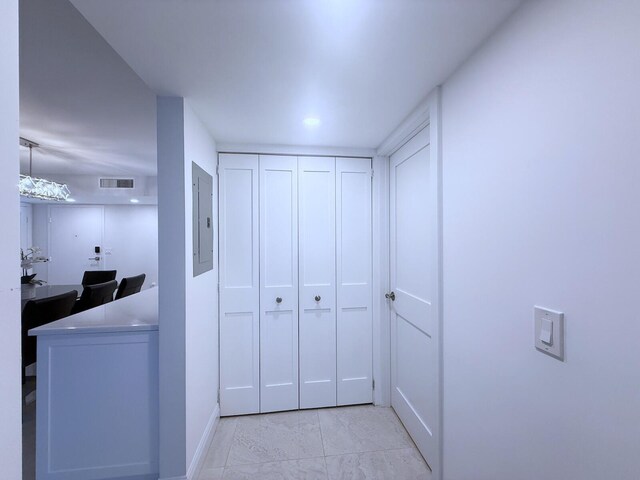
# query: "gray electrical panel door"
202, 221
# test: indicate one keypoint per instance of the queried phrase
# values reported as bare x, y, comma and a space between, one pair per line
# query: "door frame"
380, 247
426, 114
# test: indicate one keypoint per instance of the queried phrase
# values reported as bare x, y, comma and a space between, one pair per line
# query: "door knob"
97, 259
391, 296
317, 298
278, 299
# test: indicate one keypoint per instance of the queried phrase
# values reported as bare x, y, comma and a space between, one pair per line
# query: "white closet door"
317, 282
239, 285
353, 249
278, 283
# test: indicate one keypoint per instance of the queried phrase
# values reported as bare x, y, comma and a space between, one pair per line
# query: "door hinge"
373, 384
218, 169
372, 173
218, 396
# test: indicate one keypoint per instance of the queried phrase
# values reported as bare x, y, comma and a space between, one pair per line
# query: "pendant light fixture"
32, 187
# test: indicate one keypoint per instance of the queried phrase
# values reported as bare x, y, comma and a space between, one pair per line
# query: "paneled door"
74, 234
415, 334
353, 265
239, 285
278, 283
317, 290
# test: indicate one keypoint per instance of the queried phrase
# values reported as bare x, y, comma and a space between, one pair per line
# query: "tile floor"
346, 443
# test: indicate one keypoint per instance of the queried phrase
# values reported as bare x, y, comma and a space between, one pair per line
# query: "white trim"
416, 121
204, 444
296, 150
381, 312
435, 109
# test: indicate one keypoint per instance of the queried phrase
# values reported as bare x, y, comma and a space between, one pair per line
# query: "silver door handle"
391, 296
97, 259
317, 298
278, 299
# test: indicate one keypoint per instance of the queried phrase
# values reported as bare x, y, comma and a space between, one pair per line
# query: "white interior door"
317, 257
278, 283
414, 258
239, 285
26, 227
74, 234
354, 275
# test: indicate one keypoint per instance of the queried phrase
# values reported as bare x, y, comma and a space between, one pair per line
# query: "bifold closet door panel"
278, 283
354, 274
317, 293
239, 285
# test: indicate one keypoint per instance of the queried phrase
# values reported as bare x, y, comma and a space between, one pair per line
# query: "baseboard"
203, 446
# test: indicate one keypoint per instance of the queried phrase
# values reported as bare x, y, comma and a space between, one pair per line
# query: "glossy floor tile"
381, 465
307, 469
361, 429
277, 436
361, 442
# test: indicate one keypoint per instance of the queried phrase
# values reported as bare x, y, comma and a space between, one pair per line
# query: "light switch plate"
542, 317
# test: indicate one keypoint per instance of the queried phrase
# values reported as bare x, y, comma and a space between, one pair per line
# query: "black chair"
130, 285
40, 312
95, 295
93, 277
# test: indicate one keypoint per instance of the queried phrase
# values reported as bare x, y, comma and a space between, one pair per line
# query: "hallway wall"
10, 382
188, 305
541, 197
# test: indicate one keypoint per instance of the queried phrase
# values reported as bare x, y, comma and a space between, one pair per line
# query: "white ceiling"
253, 69
90, 112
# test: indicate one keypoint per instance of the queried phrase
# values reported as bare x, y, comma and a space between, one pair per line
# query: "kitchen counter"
137, 312
97, 393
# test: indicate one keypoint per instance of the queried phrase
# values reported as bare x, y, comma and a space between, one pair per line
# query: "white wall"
130, 243
172, 284
188, 305
202, 296
541, 195
10, 382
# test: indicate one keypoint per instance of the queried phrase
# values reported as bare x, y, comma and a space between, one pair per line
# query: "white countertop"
137, 312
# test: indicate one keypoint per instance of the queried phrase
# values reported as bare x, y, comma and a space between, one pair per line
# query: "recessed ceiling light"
134, 200
311, 121
71, 199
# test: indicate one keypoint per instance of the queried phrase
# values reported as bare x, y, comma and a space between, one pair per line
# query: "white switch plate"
541, 317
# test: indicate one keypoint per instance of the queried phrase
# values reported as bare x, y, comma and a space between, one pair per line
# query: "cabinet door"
317, 282
354, 295
278, 283
239, 285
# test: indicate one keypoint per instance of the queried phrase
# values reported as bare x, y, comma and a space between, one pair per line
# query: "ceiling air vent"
116, 183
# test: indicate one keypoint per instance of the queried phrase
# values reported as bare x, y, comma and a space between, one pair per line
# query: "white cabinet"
295, 282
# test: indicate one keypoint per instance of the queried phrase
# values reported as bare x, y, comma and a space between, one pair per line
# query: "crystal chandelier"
32, 187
